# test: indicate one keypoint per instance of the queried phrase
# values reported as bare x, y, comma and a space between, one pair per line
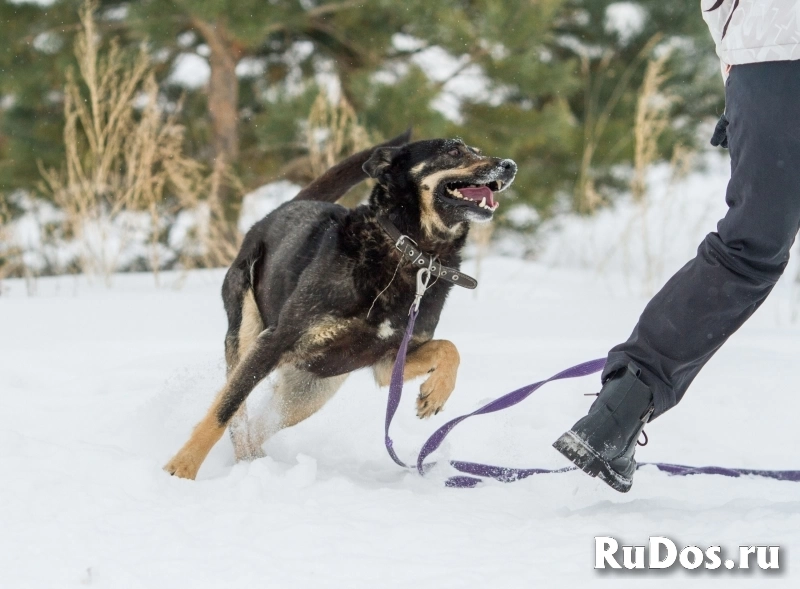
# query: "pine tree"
557, 94
235, 30
568, 84
36, 52
32, 59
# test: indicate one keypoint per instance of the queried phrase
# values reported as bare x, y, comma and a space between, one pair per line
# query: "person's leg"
705, 302
736, 267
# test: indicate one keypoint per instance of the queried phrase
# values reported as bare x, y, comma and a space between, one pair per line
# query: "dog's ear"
380, 161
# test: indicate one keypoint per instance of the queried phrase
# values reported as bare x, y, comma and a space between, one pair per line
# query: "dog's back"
291, 230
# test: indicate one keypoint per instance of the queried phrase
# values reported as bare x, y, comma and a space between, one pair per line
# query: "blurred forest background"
130, 132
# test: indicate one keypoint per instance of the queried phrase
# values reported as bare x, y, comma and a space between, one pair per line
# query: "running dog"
318, 291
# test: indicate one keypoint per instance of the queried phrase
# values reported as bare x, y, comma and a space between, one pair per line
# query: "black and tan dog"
318, 291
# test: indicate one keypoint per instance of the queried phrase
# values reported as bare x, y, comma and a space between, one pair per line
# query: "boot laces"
639, 442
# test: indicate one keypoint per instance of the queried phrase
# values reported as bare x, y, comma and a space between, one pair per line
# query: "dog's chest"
386, 330
335, 346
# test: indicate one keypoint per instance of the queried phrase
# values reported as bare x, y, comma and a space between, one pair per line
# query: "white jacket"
757, 30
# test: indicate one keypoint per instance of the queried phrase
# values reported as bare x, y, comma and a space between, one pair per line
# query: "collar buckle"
420, 259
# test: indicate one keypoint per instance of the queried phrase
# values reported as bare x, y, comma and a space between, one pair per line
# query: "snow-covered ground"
99, 387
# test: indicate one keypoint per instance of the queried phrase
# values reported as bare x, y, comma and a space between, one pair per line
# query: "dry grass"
652, 119
10, 255
650, 123
124, 153
214, 243
481, 235
586, 198
12, 261
332, 134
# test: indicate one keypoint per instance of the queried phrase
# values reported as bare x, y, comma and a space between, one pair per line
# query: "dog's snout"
509, 166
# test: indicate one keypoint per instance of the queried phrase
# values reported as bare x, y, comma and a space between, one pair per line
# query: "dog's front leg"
440, 359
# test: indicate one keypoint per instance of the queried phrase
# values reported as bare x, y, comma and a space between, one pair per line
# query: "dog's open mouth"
471, 194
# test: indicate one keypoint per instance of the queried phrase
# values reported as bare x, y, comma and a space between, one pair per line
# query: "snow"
258, 203
41, 2
460, 79
122, 242
626, 19
100, 386
645, 242
190, 70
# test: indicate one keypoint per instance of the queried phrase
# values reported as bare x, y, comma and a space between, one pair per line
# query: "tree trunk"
223, 110
223, 101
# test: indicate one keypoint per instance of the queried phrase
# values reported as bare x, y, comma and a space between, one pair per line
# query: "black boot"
603, 443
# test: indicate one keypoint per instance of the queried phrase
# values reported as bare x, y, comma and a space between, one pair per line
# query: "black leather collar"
410, 251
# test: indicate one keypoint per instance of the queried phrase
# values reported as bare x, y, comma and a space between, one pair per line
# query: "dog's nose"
509, 166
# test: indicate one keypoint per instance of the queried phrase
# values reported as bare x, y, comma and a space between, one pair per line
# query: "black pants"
737, 266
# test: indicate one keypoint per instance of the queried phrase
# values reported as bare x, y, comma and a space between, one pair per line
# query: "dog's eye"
454, 152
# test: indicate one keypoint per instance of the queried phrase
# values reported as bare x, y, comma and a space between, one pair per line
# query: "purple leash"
504, 402
396, 386
505, 474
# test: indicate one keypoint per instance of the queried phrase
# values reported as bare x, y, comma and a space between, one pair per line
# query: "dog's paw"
183, 467
249, 454
244, 448
434, 392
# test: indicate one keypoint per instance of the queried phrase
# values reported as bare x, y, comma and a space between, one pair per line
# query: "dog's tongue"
478, 193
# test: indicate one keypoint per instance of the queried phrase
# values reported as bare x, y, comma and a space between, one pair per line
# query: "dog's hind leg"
297, 395
244, 326
254, 366
250, 328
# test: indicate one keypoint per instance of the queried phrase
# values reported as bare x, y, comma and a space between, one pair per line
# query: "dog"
318, 291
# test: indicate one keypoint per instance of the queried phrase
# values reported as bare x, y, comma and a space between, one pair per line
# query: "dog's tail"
332, 185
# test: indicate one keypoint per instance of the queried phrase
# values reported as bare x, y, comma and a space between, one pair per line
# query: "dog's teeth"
455, 192
499, 184
483, 202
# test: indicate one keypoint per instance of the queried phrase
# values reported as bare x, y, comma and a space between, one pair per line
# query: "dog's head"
447, 181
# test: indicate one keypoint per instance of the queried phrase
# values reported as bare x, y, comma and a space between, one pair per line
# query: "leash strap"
508, 400
396, 385
682, 470
420, 259
473, 470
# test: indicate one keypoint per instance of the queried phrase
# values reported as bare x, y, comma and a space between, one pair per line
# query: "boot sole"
584, 457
